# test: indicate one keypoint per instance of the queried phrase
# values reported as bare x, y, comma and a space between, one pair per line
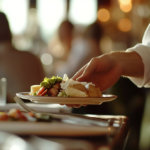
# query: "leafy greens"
49, 82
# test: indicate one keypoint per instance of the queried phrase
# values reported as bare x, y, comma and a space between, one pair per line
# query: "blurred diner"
21, 69
66, 35
82, 49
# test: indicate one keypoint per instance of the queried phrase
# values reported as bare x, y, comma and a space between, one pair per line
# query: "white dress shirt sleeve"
143, 50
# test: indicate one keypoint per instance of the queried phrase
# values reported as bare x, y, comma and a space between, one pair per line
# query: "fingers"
79, 73
88, 70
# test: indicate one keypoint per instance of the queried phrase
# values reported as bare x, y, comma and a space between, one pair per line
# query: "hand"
104, 71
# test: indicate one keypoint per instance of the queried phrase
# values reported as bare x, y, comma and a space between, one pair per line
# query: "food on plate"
34, 89
17, 115
93, 91
12, 115
75, 90
56, 86
48, 87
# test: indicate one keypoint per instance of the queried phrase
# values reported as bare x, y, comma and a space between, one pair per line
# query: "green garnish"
63, 94
49, 82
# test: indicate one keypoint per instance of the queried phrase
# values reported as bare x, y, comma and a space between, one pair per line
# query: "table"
117, 141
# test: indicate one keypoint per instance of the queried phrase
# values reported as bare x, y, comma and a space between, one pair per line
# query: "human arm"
104, 71
134, 65
143, 49
144, 52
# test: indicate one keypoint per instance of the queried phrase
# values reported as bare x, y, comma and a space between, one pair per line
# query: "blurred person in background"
21, 69
82, 49
60, 44
66, 35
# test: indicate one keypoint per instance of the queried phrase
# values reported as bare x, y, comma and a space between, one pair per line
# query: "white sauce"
69, 82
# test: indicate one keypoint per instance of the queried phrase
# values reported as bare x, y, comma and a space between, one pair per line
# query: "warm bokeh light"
83, 11
15, 10
125, 2
103, 15
46, 59
126, 8
124, 25
49, 17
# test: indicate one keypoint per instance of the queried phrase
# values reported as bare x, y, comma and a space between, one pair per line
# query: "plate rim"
67, 100
19, 94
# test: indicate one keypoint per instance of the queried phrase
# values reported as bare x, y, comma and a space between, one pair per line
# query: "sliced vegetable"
45, 92
41, 90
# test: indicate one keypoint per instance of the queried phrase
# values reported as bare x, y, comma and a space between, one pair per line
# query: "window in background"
50, 15
83, 11
16, 11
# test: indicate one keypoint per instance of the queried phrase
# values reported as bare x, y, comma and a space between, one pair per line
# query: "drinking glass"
3, 91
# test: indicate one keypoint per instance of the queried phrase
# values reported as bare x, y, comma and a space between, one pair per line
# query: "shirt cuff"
144, 52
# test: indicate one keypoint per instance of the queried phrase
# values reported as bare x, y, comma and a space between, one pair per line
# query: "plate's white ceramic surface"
53, 129
67, 100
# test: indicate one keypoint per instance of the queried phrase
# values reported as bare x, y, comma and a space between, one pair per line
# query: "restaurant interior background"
34, 24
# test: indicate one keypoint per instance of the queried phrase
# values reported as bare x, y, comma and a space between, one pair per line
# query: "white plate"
67, 100
54, 129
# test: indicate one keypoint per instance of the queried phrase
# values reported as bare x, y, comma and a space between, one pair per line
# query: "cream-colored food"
79, 89
34, 89
76, 90
93, 91
70, 82
69, 88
